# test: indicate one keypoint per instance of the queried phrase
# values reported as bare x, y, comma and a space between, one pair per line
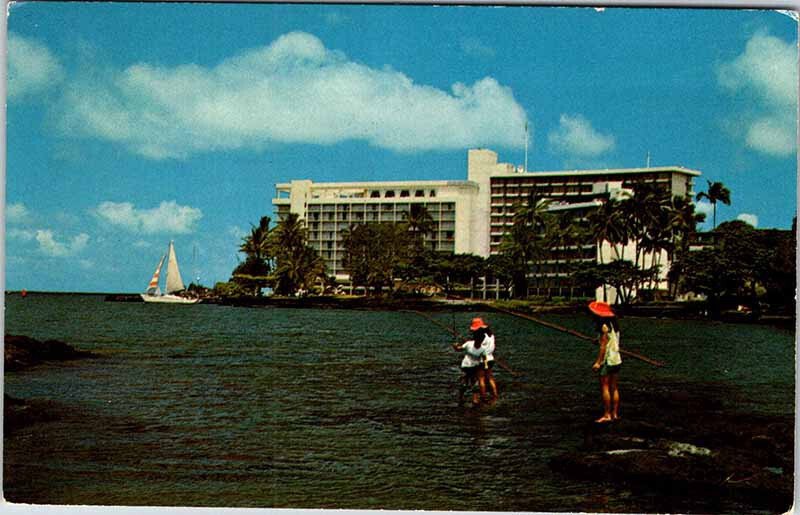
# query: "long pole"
572, 332
576, 334
455, 333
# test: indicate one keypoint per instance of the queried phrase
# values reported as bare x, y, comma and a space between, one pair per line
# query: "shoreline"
666, 310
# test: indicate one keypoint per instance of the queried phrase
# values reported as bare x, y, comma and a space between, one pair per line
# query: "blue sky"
132, 124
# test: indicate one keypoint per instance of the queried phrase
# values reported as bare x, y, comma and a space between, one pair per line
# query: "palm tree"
605, 223
645, 211
253, 273
524, 243
256, 244
562, 232
717, 192
682, 223
297, 265
419, 223
419, 220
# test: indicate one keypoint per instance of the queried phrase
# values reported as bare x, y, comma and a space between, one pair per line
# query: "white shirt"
612, 349
472, 356
488, 347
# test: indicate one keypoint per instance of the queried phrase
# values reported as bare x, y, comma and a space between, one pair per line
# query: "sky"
130, 125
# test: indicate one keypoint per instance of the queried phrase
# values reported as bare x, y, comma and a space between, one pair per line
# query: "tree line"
626, 243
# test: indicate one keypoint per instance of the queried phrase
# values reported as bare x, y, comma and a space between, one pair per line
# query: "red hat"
477, 323
601, 309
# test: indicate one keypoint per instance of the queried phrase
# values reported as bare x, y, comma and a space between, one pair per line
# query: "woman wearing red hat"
478, 360
609, 360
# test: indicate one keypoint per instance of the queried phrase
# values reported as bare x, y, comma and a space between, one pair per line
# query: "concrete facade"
329, 209
470, 216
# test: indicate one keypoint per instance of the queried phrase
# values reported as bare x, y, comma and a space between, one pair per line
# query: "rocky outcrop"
715, 452
22, 352
18, 413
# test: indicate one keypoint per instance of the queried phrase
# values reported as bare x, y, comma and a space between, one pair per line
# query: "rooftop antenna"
526, 145
194, 265
648, 159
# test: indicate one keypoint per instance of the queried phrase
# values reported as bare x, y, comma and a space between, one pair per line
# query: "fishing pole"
582, 336
566, 330
500, 361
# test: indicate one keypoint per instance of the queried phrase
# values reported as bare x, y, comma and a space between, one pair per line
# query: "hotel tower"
472, 215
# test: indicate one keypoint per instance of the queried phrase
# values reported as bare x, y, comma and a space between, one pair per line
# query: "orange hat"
601, 309
477, 323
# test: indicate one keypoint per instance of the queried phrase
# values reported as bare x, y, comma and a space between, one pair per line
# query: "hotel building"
470, 216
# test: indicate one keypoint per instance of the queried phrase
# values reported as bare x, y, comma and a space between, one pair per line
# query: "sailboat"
174, 282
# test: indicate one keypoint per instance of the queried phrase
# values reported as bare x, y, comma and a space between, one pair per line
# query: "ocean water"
210, 405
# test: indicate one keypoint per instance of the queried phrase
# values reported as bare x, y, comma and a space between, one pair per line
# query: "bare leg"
614, 392
492, 383
482, 384
606, 400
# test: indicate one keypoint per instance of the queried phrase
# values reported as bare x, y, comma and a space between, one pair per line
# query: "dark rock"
18, 413
673, 440
123, 298
22, 351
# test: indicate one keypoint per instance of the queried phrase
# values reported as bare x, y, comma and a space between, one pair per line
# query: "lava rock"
22, 351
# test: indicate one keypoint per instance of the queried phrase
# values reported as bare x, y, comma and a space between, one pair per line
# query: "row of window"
544, 191
431, 207
515, 182
334, 261
400, 193
315, 218
331, 236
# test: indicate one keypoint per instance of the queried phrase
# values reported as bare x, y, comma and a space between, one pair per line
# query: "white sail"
174, 280
174, 283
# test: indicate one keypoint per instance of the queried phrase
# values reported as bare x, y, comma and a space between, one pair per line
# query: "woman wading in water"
478, 361
609, 360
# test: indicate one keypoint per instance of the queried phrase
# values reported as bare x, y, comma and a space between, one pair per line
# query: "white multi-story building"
469, 216
329, 209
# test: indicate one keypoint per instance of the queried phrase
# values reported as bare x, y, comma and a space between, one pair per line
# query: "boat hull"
167, 299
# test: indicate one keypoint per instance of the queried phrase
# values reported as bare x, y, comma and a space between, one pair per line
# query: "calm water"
212, 405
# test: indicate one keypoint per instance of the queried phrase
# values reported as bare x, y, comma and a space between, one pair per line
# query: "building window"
432, 193
404, 193
419, 193
389, 194
374, 194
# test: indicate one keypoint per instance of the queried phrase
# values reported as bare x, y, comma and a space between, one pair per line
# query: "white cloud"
20, 234
474, 47
748, 218
48, 244
576, 137
237, 232
17, 213
706, 208
774, 136
168, 217
292, 91
766, 69
31, 67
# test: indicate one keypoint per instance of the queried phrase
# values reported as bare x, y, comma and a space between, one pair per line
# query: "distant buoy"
24, 293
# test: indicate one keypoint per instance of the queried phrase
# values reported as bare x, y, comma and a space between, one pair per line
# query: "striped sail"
174, 280
152, 288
